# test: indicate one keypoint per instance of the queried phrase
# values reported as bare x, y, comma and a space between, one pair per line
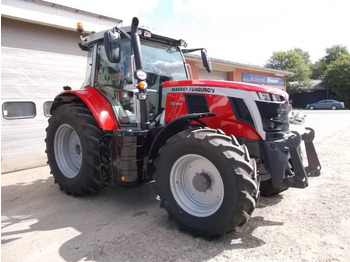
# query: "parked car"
326, 104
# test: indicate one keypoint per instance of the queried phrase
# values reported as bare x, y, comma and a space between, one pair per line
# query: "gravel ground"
39, 223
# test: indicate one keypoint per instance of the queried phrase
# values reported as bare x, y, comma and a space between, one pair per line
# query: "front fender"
95, 101
172, 128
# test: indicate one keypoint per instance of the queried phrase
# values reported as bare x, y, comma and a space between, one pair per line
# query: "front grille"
274, 118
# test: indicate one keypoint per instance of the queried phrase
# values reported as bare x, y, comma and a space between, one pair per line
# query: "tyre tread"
238, 156
91, 182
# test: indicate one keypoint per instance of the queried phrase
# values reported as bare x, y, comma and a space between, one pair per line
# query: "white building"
39, 55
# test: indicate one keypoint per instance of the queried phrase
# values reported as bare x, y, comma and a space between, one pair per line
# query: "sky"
243, 31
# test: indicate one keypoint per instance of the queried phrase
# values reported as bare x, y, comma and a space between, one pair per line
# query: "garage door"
215, 75
30, 80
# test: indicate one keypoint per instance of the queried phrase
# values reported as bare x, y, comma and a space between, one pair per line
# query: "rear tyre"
206, 182
72, 147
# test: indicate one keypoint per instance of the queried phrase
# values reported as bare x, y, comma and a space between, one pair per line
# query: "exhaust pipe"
142, 96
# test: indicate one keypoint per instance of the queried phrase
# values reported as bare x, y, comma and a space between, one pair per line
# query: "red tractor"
207, 144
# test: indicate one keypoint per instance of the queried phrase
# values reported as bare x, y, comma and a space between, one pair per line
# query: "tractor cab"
162, 60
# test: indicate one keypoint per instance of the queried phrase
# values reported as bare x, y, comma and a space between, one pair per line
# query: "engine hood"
212, 84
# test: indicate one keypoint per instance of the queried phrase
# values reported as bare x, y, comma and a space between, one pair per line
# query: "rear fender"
95, 101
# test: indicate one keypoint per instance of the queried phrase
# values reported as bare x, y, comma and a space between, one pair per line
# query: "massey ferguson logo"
194, 89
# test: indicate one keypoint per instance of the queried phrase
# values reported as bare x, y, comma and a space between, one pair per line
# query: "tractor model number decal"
194, 89
175, 104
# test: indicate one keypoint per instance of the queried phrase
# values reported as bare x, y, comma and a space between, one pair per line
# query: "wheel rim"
68, 149
196, 185
333, 107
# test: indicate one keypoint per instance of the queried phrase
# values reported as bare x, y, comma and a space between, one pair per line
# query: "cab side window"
111, 78
111, 74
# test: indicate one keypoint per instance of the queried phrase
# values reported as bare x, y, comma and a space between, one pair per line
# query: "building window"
18, 110
47, 108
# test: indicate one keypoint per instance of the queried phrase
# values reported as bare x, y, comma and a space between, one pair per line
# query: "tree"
296, 61
333, 53
337, 78
318, 69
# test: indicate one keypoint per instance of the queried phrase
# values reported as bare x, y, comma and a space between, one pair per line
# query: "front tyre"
206, 181
72, 147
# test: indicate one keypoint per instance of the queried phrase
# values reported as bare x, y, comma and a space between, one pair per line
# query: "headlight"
183, 43
147, 34
264, 96
277, 98
270, 97
141, 75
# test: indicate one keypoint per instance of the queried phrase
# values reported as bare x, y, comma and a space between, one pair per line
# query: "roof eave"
241, 65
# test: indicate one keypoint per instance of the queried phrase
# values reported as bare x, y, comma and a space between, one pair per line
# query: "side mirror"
112, 46
206, 60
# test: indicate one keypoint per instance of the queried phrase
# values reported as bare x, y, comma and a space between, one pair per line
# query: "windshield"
161, 62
